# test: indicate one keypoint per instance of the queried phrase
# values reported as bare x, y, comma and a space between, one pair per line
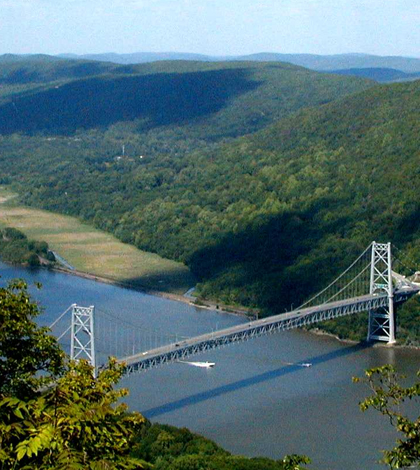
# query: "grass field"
92, 251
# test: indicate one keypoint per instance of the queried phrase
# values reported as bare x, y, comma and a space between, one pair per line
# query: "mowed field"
92, 251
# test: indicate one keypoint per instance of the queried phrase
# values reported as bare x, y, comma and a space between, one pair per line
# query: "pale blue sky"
216, 27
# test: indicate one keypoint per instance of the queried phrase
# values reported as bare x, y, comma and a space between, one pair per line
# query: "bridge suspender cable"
338, 278
60, 317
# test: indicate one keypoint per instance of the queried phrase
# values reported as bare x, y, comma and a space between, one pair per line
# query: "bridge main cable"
367, 250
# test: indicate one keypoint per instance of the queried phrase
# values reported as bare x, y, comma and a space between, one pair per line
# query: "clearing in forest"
92, 251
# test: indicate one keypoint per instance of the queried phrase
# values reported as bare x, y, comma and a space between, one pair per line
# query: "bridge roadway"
286, 321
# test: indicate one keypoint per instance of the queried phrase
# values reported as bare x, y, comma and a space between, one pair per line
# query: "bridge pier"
382, 320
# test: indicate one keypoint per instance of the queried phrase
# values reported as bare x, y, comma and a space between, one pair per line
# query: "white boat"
205, 365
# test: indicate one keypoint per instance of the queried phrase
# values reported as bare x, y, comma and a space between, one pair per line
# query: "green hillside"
381, 75
28, 75
264, 220
21, 70
221, 99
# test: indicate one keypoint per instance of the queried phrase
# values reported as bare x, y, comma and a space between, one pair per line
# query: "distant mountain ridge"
381, 69
311, 61
141, 57
382, 75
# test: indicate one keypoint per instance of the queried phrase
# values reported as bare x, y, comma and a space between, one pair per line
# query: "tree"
75, 424
26, 350
387, 398
53, 413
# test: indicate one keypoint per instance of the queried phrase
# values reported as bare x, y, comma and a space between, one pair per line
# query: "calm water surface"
257, 400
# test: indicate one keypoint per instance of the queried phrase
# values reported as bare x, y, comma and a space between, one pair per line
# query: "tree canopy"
389, 396
53, 413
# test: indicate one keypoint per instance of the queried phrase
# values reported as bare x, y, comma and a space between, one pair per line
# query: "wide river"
256, 400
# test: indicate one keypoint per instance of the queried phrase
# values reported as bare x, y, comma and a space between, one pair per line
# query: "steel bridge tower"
83, 335
382, 320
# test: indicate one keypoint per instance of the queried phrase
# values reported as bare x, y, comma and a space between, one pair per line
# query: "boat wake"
204, 365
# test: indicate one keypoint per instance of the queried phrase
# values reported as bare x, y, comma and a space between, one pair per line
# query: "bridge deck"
243, 332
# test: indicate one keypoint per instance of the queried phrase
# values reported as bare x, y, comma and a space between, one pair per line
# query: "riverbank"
205, 305
213, 306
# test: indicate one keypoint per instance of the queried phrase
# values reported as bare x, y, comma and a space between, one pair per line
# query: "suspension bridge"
370, 284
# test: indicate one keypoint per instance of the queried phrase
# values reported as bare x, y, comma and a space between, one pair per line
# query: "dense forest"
170, 448
15, 248
264, 219
207, 101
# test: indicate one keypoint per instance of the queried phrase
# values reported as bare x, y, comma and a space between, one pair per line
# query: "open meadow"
92, 251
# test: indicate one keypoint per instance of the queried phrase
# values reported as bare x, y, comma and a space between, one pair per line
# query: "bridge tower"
83, 335
382, 320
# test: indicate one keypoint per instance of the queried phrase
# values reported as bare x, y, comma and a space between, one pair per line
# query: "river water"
257, 400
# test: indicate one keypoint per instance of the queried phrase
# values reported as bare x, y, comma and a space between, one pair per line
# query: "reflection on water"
257, 400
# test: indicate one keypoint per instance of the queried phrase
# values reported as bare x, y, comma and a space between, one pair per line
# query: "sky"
214, 27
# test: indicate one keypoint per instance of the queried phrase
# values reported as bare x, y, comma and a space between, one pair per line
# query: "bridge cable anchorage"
414, 269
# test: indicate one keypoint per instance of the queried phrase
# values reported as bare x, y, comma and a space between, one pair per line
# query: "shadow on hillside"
169, 281
277, 262
252, 381
159, 99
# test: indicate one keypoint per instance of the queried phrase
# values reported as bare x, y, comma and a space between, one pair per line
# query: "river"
257, 400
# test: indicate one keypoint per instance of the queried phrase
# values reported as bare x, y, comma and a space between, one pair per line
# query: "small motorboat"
204, 365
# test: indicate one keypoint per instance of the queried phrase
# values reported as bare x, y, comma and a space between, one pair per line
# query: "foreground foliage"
29, 357
55, 414
388, 397
76, 424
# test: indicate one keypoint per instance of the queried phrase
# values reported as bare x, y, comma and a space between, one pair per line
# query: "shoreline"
209, 306
116, 282
149, 291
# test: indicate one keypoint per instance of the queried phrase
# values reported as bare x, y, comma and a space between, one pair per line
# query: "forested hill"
23, 70
264, 220
309, 192
214, 100
382, 75
270, 218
